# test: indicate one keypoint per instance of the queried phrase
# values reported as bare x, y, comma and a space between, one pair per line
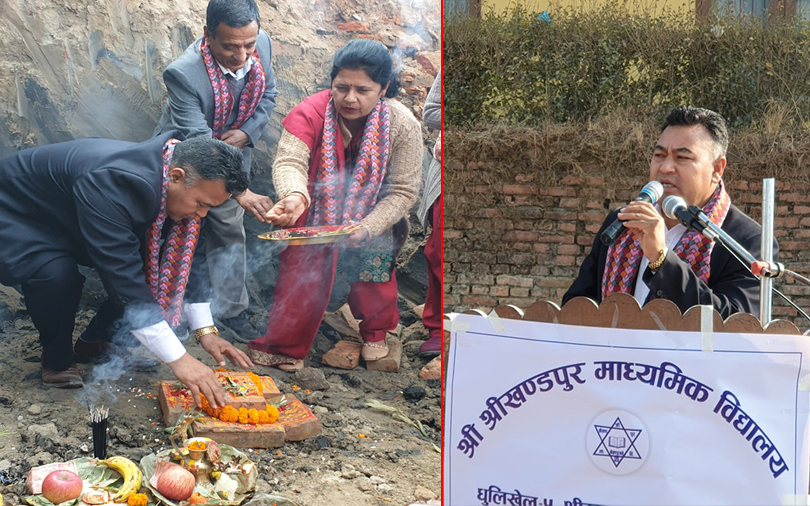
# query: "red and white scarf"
223, 99
167, 274
624, 255
329, 207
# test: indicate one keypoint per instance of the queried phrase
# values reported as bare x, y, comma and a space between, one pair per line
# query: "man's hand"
644, 221
357, 237
235, 138
437, 148
286, 211
200, 379
220, 348
255, 204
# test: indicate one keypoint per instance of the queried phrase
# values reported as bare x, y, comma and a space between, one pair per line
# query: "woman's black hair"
372, 57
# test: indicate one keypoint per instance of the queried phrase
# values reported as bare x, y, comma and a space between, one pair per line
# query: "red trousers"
304, 284
432, 317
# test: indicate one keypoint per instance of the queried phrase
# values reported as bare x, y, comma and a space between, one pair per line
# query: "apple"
62, 485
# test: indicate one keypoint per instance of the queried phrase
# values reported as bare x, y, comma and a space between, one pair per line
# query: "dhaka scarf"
223, 99
167, 271
624, 255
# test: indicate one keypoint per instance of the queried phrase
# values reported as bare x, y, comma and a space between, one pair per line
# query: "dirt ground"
393, 464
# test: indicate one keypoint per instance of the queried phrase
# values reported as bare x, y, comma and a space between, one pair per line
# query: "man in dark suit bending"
655, 256
132, 212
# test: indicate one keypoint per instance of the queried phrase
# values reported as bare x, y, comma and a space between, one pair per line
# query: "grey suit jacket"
190, 105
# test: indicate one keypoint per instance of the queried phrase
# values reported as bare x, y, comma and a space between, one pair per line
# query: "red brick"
801, 209
557, 191
176, 401
567, 227
558, 216
353, 27
568, 249
239, 435
565, 260
432, 370
392, 361
499, 291
516, 291
518, 236
570, 203
344, 355
518, 189
561, 239
572, 181
297, 420
479, 301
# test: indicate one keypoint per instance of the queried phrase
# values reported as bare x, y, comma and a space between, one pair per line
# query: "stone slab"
298, 421
175, 401
238, 435
344, 355
391, 362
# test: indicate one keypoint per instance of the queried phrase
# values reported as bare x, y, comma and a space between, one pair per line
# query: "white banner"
541, 414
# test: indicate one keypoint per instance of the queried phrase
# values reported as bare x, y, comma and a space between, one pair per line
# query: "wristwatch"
654, 266
205, 331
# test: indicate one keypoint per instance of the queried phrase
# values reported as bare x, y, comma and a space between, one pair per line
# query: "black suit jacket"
93, 200
731, 287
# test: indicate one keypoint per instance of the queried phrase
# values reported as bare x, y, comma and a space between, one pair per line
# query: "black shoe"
69, 378
243, 331
101, 352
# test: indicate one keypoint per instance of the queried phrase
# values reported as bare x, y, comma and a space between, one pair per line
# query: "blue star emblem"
617, 442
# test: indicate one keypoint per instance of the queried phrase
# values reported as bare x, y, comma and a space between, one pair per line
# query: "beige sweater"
400, 187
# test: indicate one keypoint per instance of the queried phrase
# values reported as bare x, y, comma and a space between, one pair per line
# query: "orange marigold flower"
257, 380
263, 417
243, 415
137, 500
272, 414
253, 416
197, 498
229, 414
296, 387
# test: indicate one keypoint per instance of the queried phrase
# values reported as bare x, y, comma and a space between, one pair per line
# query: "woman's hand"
287, 210
357, 237
256, 204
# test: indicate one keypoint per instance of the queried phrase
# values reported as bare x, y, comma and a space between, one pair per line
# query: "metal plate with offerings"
304, 236
224, 476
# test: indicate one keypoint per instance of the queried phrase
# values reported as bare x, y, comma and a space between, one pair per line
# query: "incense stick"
98, 418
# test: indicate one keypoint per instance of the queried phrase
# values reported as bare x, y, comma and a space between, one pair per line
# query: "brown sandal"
283, 362
374, 350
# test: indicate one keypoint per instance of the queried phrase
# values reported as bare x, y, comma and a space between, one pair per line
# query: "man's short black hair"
711, 121
234, 13
211, 159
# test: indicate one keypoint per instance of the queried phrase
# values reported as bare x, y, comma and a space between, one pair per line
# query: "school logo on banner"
618, 442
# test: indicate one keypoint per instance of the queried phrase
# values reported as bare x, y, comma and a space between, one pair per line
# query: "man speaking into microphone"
653, 256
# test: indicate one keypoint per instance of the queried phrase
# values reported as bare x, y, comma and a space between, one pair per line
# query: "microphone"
691, 217
651, 192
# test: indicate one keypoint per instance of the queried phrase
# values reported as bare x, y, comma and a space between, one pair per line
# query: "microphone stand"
759, 268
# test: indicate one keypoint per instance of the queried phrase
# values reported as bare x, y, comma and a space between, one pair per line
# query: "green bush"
514, 68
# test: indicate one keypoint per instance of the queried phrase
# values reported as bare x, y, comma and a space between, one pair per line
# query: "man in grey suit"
223, 86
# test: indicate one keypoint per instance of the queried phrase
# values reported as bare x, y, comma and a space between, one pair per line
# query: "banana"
132, 476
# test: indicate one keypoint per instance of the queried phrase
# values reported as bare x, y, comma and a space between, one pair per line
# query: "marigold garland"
137, 500
242, 415
252, 416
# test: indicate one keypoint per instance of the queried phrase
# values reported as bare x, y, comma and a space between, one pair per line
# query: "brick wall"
518, 239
